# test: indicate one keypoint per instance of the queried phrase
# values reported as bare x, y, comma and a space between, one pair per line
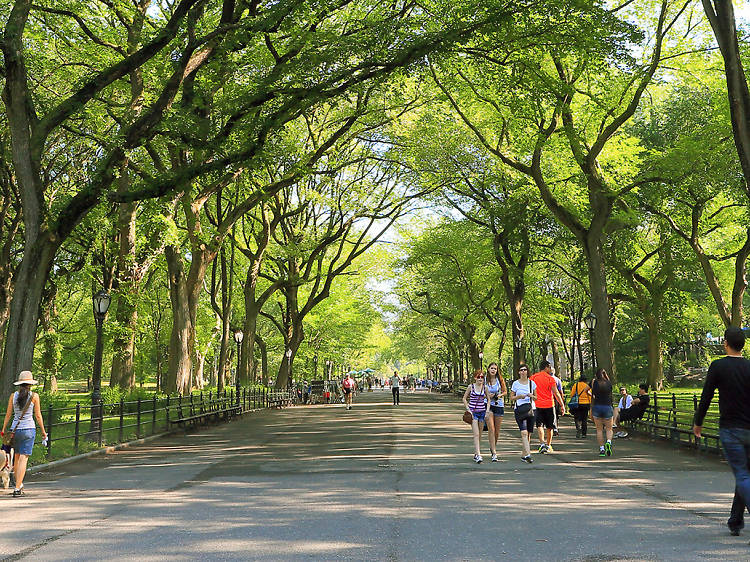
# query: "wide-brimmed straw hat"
25, 377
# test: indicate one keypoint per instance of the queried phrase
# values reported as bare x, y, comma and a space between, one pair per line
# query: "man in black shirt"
731, 375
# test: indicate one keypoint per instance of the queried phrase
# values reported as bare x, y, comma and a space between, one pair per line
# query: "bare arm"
8, 413
466, 397
38, 415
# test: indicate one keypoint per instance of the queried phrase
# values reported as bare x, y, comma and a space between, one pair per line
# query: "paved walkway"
374, 483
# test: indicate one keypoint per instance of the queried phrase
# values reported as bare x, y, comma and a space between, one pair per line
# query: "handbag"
574, 399
468, 417
8, 437
524, 410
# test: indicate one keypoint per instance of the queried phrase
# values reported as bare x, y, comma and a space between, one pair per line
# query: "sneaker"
734, 531
578, 434
608, 449
543, 448
17, 493
493, 458
602, 453
527, 459
549, 449
555, 433
621, 434
477, 458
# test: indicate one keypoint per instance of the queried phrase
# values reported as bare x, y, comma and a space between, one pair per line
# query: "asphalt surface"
374, 483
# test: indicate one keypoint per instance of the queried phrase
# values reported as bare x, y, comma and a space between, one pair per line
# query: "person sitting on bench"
636, 410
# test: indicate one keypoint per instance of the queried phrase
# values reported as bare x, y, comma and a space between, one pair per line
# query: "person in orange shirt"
582, 393
547, 394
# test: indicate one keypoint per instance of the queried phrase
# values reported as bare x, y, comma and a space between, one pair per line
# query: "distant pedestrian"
731, 376
349, 385
580, 394
523, 393
477, 402
497, 389
395, 387
601, 411
547, 395
26, 408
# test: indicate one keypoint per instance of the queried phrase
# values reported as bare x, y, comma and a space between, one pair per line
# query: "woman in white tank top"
26, 408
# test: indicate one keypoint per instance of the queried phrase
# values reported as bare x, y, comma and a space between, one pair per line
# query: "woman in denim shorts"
602, 412
26, 408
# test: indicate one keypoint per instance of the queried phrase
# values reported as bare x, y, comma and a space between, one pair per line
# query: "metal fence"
669, 416
73, 429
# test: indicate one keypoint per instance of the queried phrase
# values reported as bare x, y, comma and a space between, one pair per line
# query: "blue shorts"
497, 411
602, 411
479, 416
23, 441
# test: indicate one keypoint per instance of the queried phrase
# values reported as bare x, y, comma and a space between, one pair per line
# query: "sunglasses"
523, 369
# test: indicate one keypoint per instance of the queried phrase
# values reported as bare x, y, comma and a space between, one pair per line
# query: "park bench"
224, 412
665, 423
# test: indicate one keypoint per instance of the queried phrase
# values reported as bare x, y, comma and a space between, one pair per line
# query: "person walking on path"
731, 376
497, 389
601, 411
547, 394
395, 387
26, 408
477, 402
349, 385
522, 394
580, 394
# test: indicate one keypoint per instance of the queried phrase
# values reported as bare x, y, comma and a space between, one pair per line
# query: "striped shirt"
477, 400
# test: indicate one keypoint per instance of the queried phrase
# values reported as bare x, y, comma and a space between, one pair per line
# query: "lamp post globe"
100, 302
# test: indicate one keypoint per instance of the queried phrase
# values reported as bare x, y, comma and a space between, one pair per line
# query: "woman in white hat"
26, 408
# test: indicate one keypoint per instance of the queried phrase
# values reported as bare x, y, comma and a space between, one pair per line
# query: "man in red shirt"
546, 394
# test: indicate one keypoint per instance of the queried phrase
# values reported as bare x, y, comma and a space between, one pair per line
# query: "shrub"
58, 401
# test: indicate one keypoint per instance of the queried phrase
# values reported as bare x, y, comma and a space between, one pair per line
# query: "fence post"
122, 413
675, 432
656, 409
49, 430
192, 406
167, 412
138, 420
76, 437
203, 411
153, 415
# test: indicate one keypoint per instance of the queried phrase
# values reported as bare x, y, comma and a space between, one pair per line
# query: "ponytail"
23, 395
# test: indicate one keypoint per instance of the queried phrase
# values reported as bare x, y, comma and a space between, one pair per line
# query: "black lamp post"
238, 337
329, 365
289, 367
481, 359
101, 302
315, 366
590, 321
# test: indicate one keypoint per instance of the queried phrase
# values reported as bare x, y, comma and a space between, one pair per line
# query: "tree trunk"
181, 339
655, 358
20, 337
50, 341
263, 359
603, 345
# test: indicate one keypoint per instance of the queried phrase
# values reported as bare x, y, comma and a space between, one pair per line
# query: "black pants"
395, 395
581, 416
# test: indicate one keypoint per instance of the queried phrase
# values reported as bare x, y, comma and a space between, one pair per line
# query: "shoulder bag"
574, 400
8, 437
